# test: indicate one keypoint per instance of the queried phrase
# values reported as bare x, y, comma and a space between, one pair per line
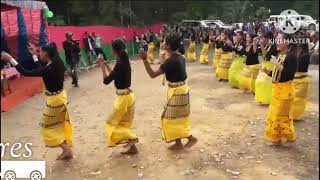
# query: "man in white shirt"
98, 41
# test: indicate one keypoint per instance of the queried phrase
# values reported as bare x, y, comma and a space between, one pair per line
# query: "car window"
302, 18
273, 18
308, 18
212, 25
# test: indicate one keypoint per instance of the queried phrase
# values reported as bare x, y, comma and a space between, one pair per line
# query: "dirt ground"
228, 123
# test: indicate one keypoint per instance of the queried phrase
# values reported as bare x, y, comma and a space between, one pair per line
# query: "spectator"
72, 53
92, 39
136, 42
98, 40
88, 47
314, 50
97, 49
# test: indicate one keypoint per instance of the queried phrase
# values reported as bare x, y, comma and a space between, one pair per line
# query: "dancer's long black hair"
175, 42
52, 50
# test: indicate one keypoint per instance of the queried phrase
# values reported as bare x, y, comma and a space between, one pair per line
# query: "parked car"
186, 26
265, 23
217, 24
237, 25
193, 24
306, 21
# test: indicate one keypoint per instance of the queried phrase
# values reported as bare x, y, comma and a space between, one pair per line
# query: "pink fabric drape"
11, 30
32, 22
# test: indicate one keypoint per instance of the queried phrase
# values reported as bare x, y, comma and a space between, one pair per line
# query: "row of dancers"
56, 126
272, 66
275, 73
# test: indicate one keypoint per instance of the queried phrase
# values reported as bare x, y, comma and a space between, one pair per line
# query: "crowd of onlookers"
248, 28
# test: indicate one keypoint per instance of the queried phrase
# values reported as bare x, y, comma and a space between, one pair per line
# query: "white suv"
306, 21
217, 24
193, 24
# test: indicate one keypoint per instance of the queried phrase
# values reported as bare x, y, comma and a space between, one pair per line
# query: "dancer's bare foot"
65, 155
273, 143
131, 142
131, 151
287, 143
176, 146
191, 142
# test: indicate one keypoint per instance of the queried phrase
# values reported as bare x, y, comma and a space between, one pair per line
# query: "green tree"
139, 13
262, 13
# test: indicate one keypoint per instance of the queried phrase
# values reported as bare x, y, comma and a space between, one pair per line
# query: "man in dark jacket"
72, 53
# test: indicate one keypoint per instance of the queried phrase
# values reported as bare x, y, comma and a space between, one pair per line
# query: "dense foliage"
138, 12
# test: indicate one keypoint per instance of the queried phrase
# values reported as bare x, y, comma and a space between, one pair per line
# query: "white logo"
289, 21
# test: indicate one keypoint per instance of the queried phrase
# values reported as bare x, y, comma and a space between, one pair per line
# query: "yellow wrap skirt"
151, 52
216, 57
248, 77
279, 126
191, 54
222, 71
175, 118
204, 53
263, 84
55, 124
118, 125
301, 86
235, 70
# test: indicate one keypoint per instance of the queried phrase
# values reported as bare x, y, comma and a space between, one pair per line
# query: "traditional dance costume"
175, 118
301, 86
205, 51
119, 124
237, 65
222, 71
151, 52
250, 70
263, 84
191, 54
279, 126
217, 53
55, 124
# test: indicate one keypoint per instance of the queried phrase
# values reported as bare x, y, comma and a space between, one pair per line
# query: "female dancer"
301, 83
175, 119
251, 69
151, 49
263, 83
222, 70
118, 126
191, 54
55, 124
205, 48
217, 50
238, 64
279, 126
